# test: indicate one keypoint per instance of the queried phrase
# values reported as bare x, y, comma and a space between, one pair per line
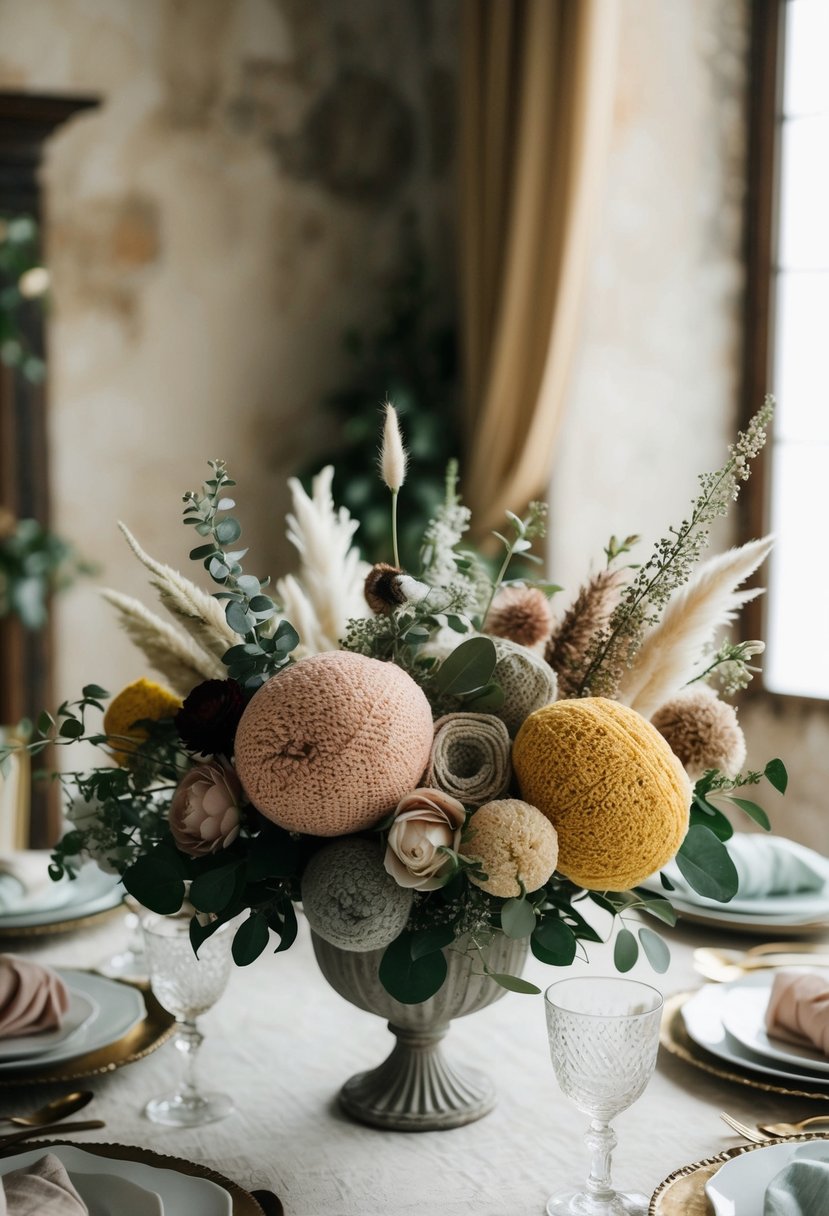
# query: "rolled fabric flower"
798, 1009
32, 998
470, 757
204, 813
425, 821
528, 681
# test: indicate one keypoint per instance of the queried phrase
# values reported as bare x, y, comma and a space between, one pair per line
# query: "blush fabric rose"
425, 821
204, 813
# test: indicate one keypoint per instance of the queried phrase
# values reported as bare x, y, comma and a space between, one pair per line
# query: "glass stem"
188, 1040
601, 1140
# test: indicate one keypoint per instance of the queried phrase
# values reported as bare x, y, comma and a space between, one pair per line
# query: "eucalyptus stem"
497, 581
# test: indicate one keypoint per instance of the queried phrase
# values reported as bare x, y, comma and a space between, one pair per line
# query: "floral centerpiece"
424, 758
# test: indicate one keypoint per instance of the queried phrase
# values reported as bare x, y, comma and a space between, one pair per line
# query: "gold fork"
748, 1133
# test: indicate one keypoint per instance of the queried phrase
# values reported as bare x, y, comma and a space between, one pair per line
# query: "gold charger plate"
683, 1192
677, 1042
10, 933
243, 1202
153, 1030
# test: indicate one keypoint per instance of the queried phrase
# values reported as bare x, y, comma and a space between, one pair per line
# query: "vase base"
416, 1090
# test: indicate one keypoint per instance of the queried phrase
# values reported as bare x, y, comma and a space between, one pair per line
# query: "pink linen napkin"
32, 998
798, 1009
42, 1189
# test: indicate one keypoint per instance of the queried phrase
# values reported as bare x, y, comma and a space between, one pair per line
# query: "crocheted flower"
204, 812
207, 721
703, 731
470, 757
521, 614
348, 898
332, 743
612, 788
515, 845
426, 821
143, 700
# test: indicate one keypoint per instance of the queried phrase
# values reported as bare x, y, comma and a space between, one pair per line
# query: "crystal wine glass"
129, 963
186, 986
604, 1035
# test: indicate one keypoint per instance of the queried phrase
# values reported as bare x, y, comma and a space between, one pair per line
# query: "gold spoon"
724, 965
59, 1108
791, 1129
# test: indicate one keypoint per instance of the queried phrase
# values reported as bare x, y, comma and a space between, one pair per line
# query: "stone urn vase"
416, 1088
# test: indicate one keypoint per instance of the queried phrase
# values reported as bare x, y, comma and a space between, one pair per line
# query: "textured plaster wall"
234, 203
655, 393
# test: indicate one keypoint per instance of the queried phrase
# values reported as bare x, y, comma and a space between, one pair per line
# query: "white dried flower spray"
393, 467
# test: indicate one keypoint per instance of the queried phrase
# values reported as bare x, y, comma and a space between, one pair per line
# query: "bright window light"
797, 633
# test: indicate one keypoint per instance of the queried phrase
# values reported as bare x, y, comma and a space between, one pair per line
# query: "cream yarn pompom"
515, 844
703, 731
332, 743
470, 757
349, 899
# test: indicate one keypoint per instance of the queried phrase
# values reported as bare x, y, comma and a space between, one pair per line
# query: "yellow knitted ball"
610, 784
512, 840
142, 700
331, 744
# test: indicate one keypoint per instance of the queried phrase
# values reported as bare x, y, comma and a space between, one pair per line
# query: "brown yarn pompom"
331, 744
702, 731
382, 588
520, 614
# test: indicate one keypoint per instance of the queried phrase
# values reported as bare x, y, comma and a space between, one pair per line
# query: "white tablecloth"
281, 1041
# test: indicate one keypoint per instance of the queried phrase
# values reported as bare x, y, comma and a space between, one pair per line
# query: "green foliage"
265, 649
411, 979
34, 563
704, 863
19, 255
409, 359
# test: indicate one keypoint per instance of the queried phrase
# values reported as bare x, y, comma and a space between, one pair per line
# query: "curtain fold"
537, 93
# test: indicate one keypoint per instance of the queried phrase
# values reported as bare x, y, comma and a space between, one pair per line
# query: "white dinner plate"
91, 892
721, 917
110, 1195
807, 905
80, 1012
703, 1015
180, 1194
738, 1188
120, 1008
744, 1017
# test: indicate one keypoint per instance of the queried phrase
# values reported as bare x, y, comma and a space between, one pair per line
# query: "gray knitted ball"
528, 681
350, 900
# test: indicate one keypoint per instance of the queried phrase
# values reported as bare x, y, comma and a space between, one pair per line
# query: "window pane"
801, 356
797, 659
806, 80
804, 193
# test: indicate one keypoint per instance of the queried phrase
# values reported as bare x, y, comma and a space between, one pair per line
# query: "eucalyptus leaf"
753, 811
426, 941
409, 980
518, 918
514, 983
705, 864
775, 772
713, 819
213, 890
625, 951
468, 667
228, 531
656, 950
488, 700
95, 690
250, 939
237, 618
554, 942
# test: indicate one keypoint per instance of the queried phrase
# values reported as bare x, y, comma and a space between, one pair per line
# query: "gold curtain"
537, 91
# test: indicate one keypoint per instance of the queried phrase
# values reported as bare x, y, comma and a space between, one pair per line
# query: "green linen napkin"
772, 865
801, 1189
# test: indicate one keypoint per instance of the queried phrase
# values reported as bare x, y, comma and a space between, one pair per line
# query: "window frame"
765, 87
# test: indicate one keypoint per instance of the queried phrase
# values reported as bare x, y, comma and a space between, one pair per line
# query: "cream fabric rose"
204, 813
425, 821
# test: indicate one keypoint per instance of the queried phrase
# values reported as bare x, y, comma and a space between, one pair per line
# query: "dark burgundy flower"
207, 721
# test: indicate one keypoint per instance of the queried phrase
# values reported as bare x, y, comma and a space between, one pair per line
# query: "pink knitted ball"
331, 744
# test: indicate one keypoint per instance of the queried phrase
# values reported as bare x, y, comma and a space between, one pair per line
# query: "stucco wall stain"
358, 140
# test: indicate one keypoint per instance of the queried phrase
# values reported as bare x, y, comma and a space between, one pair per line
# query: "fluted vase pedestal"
417, 1088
